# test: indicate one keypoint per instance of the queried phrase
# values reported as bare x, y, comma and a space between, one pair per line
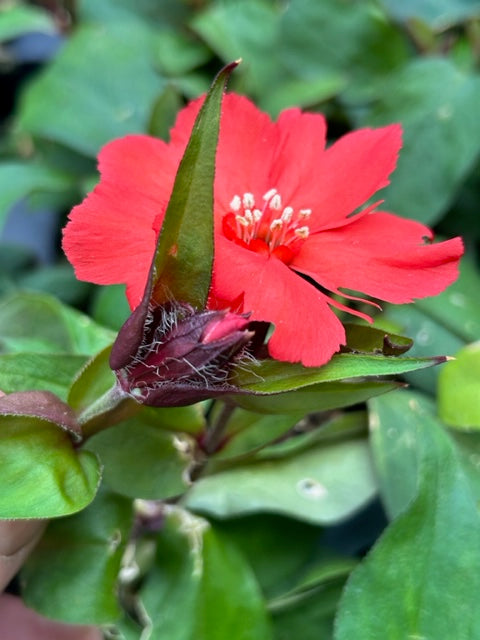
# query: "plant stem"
216, 432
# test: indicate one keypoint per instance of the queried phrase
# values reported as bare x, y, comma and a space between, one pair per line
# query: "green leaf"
58, 280
309, 37
458, 308
17, 19
365, 339
312, 616
141, 460
95, 379
247, 29
72, 573
429, 336
459, 389
201, 588
184, 256
164, 112
266, 542
439, 15
178, 54
272, 376
321, 485
418, 581
42, 474
39, 371
40, 323
437, 106
110, 306
249, 431
111, 85
18, 180
317, 397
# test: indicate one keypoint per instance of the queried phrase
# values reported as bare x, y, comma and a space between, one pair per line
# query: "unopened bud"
184, 355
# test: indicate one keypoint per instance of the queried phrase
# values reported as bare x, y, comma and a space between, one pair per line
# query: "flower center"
268, 227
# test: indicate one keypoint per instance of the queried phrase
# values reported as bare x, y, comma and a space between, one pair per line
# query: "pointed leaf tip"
185, 273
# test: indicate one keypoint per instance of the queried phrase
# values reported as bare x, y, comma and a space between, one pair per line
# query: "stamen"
248, 200
287, 214
276, 202
242, 221
302, 232
269, 194
276, 224
236, 203
271, 228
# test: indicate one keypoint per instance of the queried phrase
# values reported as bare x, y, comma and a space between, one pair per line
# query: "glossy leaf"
184, 256
272, 376
201, 587
459, 389
42, 474
39, 371
39, 323
141, 460
321, 485
18, 180
247, 29
309, 37
265, 540
439, 15
88, 546
95, 379
458, 308
400, 589
429, 336
100, 104
317, 397
366, 339
436, 104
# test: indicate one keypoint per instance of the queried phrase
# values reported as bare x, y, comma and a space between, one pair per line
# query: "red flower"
284, 209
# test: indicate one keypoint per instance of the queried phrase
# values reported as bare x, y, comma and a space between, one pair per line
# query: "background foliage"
367, 527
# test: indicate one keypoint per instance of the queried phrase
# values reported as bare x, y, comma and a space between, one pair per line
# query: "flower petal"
109, 238
306, 329
299, 147
381, 255
349, 173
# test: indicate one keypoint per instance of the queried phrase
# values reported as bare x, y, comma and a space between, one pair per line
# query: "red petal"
306, 329
299, 147
245, 151
349, 173
109, 238
383, 256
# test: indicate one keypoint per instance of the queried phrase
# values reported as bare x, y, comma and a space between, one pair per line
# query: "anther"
287, 214
242, 221
302, 232
304, 213
276, 224
276, 202
236, 203
269, 194
248, 200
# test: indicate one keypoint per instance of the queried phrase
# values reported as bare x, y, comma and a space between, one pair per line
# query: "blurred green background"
76, 74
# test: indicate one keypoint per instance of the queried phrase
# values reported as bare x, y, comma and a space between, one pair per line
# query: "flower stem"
111, 407
216, 432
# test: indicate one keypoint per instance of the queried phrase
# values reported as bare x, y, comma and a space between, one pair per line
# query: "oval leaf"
42, 474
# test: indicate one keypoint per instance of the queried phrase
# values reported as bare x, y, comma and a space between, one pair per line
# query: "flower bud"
183, 355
